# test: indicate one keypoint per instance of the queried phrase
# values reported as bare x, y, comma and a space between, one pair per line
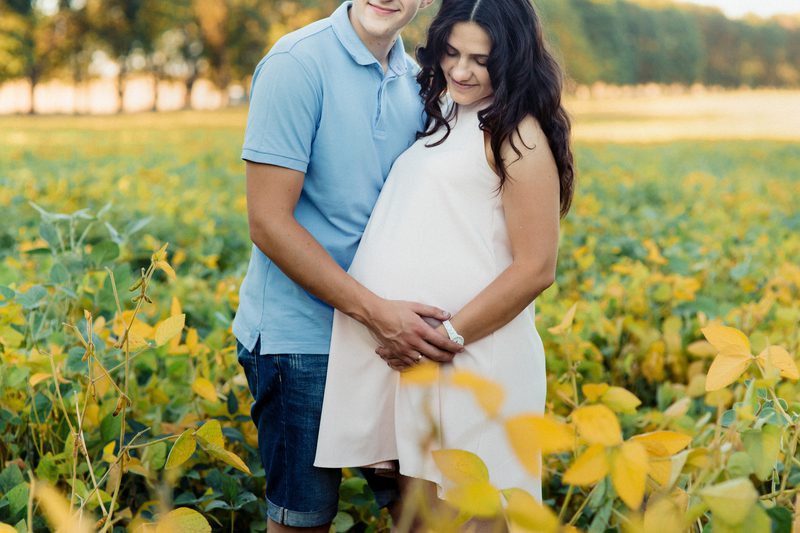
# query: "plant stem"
564, 506
582, 506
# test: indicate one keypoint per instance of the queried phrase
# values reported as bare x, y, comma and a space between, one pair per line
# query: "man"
332, 105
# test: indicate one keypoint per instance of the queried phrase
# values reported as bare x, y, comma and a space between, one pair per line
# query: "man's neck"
379, 48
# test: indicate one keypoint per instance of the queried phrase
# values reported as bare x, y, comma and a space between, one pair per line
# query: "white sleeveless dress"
438, 236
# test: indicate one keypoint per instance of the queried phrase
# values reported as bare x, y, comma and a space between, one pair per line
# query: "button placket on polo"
378, 130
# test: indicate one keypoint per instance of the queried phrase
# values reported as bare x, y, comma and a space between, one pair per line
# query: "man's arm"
272, 194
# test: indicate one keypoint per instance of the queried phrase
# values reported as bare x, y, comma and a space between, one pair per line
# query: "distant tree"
129, 30
563, 28
29, 42
608, 33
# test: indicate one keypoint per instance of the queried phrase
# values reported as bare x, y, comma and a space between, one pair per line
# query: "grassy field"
683, 221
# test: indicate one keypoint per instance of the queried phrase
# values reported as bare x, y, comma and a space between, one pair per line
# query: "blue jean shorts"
287, 390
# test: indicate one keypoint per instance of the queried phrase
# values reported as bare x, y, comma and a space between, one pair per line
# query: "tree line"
614, 41
623, 42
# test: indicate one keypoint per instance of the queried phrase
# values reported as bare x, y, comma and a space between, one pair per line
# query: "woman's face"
464, 63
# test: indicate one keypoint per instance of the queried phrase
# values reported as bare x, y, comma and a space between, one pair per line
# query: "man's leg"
288, 389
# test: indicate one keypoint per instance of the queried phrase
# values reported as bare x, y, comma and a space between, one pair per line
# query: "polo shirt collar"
340, 21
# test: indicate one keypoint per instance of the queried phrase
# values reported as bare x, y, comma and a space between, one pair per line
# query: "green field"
663, 239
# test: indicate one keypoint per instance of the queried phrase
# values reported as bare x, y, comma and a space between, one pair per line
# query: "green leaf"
342, 522
104, 252
10, 477
50, 234
7, 292
17, 499
763, 447
781, 519
243, 499
739, 465
110, 427
59, 273
47, 468
33, 297
155, 455
182, 450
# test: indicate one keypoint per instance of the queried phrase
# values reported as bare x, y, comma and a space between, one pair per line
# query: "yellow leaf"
182, 450
778, 357
169, 328
102, 380
665, 470
661, 470
526, 514
91, 416
597, 424
662, 515
539, 432
663, 443
108, 452
57, 510
621, 400
138, 328
461, 467
629, 467
425, 373
224, 455
476, 499
701, 349
488, 394
161, 254
699, 458
680, 407
593, 391
211, 432
731, 500
183, 520
38, 378
191, 339
726, 369
653, 253
175, 307
163, 265
204, 388
589, 468
566, 322
727, 340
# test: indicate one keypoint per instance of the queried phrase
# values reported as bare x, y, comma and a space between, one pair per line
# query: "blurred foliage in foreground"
617, 42
131, 401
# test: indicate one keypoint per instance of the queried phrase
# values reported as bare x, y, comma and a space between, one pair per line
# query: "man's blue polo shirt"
321, 104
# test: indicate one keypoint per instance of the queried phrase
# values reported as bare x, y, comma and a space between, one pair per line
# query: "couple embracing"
401, 213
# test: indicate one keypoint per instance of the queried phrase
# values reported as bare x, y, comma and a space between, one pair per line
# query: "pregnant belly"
402, 265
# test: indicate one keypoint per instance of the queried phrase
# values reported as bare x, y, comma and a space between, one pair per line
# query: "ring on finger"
419, 357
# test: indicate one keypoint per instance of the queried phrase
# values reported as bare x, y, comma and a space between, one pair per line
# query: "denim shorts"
287, 390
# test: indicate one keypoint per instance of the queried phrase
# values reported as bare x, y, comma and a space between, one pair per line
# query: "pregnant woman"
468, 221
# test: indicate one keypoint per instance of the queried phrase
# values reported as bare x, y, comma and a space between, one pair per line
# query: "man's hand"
405, 337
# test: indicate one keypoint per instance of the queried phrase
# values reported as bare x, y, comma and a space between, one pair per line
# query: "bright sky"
764, 8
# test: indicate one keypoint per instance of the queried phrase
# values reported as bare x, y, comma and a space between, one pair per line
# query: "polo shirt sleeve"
284, 113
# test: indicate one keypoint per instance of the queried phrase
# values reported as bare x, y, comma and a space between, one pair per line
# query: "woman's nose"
461, 71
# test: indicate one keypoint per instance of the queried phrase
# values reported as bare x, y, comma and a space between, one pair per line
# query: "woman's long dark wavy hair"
526, 80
